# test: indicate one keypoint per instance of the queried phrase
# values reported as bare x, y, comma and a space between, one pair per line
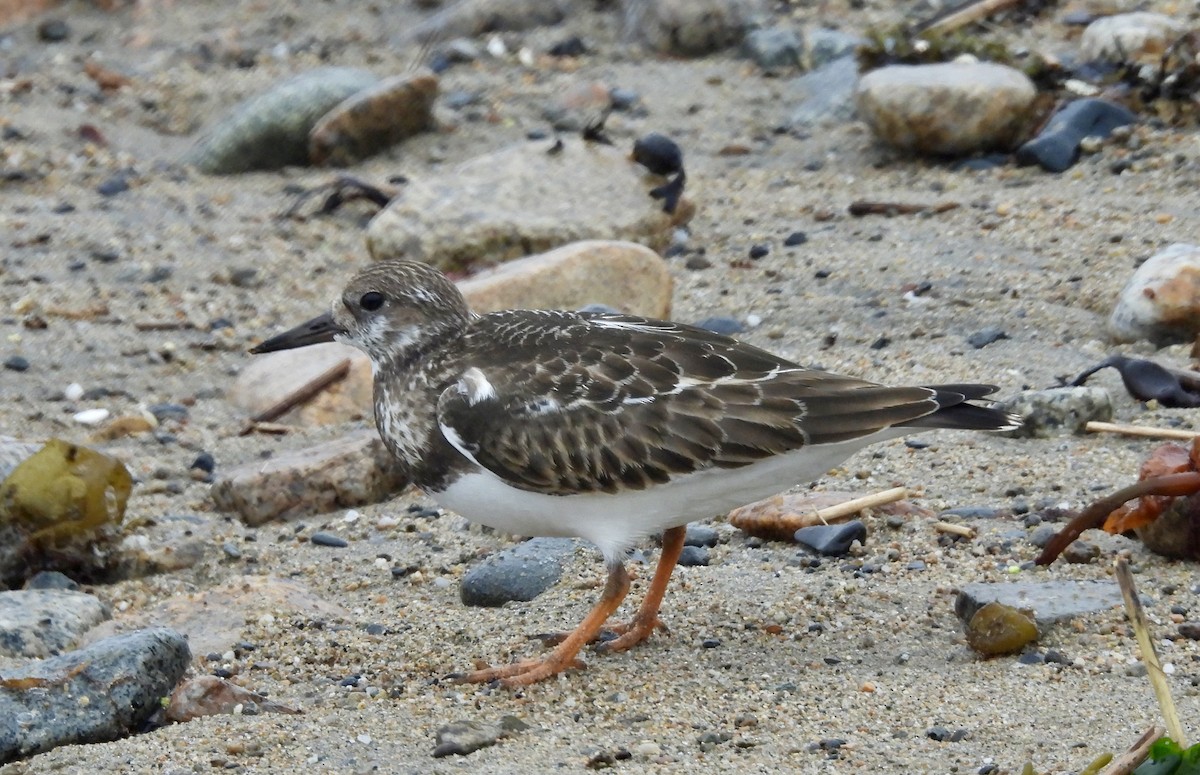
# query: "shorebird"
604, 426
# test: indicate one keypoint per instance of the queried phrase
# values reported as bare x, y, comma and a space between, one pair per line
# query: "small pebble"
204, 462
90, 416
759, 251
117, 183
53, 31
322, 538
693, 557
981, 339
710, 643
794, 239
16, 363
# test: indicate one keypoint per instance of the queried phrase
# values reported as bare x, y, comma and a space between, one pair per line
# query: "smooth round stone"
1161, 301
693, 557
701, 535
322, 538
1130, 37
521, 572
997, 629
950, 108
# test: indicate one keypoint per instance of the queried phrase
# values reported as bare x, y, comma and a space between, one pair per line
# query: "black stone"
53, 31
759, 251
1056, 147
16, 363
571, 47
322, 538
794, 239
658, 153
204, 462
833, 540
981, 339
117, 183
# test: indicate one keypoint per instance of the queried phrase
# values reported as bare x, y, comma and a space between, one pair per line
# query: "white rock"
90, 416
73, 392
1130, 37
948, 108
1161, 301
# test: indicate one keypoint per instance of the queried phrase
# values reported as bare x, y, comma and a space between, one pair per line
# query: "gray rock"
347, 472
949, 108
690, 27
521, 200
693, 557
824, 45
51, 579
774, 48
826, 95
13, 453
461, 738
521, 572
701, 535
45, 622
1161, 301
1130, 37
1050, 601
1058, 411
833, 540
270, 130
98, 693
469, 18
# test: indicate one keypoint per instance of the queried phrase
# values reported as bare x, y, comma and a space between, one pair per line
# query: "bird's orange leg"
563, 656
645, 621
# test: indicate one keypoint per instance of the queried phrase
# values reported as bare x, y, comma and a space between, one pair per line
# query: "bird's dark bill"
319, 329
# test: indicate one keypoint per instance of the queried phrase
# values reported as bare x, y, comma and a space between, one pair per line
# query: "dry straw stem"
953, 529
1140, 430
1127, 762
1158, 680
851, 507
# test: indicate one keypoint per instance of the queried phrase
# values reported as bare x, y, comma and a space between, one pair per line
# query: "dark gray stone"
981, 339
92, 695
825, 45
322, 538
1050, 601
1056, 147
521, 572
701, 535
826, 95
44, 622
833, 540
693, 557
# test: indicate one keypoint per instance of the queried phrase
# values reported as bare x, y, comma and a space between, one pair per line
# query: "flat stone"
690, 28
271, 130
521, 572
1161, 301
268, 379
1057, 146
461, 738
833, 540
215, 619
1058, 411
521, 200
99, 693
352, 471
949, 108
624, 275
1050, 601
45, 622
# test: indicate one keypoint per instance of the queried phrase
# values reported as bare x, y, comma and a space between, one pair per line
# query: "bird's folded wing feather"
617, 409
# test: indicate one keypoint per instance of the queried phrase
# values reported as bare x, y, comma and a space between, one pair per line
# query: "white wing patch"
625, 325
475, 386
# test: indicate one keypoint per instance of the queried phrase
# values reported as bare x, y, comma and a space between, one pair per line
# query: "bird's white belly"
613, 522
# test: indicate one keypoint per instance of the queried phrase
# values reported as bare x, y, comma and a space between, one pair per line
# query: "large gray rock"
1130, 37
1161, 301
1050, 601
352, 471
98, 693
520, 200
690, 27
44, 622
949, 108
521, 572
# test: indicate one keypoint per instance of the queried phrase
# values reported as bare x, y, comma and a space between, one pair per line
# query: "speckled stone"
521, 572
1058, 411
98, 693
44, 622
1161, 301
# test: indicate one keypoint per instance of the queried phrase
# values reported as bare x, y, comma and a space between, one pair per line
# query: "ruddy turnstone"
605, 426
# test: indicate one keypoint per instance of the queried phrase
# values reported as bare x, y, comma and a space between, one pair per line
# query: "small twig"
1127, 762
967, 14
1140, 430
1158, 679
863, 207
851, 507
953, 529
163, 325
273, 428
298, 396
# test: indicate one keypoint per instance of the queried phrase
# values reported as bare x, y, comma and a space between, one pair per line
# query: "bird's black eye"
371, 301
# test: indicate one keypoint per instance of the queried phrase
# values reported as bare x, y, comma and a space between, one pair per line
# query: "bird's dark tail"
956, 412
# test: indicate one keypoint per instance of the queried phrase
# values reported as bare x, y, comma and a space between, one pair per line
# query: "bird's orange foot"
630, 633
523, 673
